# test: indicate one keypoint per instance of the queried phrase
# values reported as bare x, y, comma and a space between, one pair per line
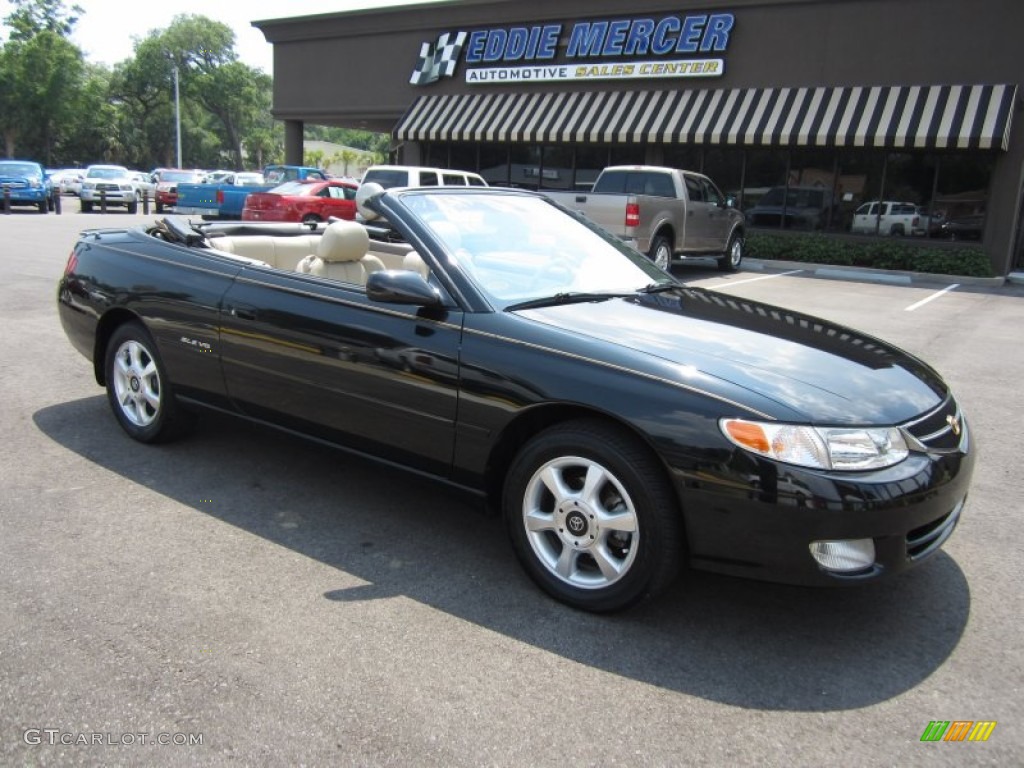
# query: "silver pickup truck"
666, 213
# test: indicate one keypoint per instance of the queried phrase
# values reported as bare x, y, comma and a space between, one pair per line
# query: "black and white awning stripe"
896, 117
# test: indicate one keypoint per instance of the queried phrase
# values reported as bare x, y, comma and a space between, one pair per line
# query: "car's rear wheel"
733, 257
592, 516
661, 252
138, 389
159, 207
311, 219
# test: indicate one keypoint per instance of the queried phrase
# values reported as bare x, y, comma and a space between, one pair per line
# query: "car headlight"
88, 185
125, 187
841, 448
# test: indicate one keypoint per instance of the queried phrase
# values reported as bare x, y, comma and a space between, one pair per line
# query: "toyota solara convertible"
625, 424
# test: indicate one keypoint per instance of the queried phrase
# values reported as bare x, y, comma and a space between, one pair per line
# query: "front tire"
733, 257
138, 388
86, 206
43, 206
592, 517
661, 252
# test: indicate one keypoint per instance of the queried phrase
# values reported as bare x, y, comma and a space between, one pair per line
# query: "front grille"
108, 187
926, 539
944, 430
14, 184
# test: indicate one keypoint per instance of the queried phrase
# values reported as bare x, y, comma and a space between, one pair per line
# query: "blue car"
26, 183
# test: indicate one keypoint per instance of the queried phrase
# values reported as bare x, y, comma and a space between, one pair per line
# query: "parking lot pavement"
285, 604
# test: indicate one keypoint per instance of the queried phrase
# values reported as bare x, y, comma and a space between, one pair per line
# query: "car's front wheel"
138, 389
592, 516
86, 206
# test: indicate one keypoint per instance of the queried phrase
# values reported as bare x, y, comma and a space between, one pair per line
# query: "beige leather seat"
342, 255
280, 252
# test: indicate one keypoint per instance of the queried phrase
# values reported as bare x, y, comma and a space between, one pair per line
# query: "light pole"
177, 113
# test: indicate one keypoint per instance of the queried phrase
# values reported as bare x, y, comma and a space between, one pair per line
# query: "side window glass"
711, 193
428, 179
693, 190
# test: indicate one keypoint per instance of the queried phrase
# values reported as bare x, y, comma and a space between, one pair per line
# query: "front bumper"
25, 195
114, 196
759, 518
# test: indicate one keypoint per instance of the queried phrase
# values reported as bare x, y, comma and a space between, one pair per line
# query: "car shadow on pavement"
744, 643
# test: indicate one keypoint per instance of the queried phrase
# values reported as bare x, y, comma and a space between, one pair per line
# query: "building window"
494, 164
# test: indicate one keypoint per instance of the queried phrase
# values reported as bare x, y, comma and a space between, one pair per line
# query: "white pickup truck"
666, 213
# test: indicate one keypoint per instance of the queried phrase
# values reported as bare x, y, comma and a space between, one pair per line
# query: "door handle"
240, 313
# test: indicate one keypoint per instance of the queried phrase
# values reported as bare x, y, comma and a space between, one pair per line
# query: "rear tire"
661, 252
592, 516
138, 389
733, 257
311, 219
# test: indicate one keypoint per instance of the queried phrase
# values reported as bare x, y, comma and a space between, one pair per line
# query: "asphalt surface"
284, 604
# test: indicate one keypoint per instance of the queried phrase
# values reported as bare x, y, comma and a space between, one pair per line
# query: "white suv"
112, 183
887, 218
417, 176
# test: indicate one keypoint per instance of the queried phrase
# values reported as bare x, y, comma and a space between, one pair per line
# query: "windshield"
19, 169
517, 247
179, 176
295, 188
107, 173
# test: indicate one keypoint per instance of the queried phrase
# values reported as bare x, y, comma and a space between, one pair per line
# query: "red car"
307, 201
167, 185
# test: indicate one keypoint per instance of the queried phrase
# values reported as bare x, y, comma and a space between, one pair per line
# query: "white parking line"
763, 277
933, 297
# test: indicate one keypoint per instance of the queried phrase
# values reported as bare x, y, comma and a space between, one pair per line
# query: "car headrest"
343, 241
413, 262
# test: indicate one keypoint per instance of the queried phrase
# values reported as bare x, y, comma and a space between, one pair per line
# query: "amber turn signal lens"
749, 435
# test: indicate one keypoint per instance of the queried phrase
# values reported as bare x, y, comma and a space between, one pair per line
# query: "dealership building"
817, 106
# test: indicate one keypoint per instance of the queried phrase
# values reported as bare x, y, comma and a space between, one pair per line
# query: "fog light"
844, 556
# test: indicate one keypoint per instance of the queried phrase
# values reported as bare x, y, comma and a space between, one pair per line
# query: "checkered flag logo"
438, 59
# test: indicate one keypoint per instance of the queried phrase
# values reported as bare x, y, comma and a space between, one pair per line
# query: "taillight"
72, 264
632, 214
917, 221
220, 197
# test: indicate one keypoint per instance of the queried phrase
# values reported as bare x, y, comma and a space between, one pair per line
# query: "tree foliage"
64, 111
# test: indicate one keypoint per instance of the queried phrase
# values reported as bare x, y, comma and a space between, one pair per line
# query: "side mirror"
730, 201
399, 286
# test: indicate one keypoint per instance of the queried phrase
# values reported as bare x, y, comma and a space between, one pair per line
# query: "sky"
107, 29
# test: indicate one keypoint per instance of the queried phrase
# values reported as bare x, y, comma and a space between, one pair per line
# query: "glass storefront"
868, 193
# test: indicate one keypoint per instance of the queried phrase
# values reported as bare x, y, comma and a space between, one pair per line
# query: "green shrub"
969, 261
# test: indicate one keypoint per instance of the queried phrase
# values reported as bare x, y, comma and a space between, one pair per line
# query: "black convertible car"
624, 423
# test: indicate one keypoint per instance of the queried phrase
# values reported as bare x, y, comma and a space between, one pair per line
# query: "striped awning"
900, 117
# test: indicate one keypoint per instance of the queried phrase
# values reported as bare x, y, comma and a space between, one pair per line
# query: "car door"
339, 201
319, 356
700, 225
720, 216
